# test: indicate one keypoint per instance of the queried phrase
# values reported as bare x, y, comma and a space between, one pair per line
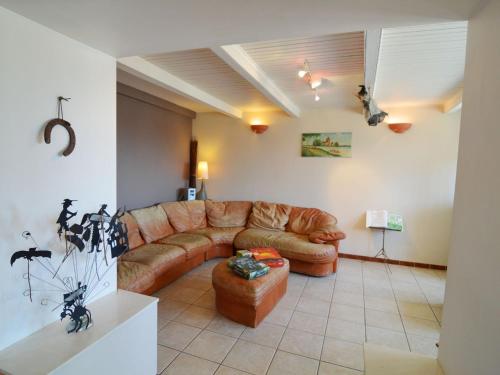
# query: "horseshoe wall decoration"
65, 124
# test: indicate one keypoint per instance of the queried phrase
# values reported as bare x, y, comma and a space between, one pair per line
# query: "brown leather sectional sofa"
169, 239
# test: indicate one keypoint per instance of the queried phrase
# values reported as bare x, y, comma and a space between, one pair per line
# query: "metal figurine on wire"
96, 232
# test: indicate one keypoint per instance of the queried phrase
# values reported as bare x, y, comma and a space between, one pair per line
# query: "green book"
248, 268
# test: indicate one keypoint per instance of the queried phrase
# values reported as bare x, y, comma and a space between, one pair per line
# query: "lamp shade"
202, 170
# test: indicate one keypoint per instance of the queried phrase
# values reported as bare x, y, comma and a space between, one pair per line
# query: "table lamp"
202, 174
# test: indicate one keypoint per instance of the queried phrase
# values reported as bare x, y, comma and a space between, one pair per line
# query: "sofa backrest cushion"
228, 214
153, 223
267, 215
134, 236
186, 215
308, 220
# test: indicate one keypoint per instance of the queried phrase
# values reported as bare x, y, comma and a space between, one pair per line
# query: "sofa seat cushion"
135, 277
267, 215
248, 292
186, 215
193, 244
228, 214
134, 236
220, 236
153, 223
160, 257
290, 245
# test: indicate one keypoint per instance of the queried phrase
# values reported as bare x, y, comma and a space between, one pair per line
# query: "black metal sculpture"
95, 232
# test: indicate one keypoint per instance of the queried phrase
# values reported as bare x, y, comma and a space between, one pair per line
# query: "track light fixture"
306, 74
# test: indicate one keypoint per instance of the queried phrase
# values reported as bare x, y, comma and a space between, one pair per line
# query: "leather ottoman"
248, 301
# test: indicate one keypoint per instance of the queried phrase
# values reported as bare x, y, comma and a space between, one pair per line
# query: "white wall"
36, 66
470, 338
412, 173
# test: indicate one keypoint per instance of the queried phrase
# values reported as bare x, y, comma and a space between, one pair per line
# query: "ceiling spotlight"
316, 83
316, 96
305, 71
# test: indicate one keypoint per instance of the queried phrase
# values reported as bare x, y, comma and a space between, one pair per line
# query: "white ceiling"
420, 64
338, 59
205, 70
131, 27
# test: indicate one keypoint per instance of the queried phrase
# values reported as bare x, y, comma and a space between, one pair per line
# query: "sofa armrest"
322, 236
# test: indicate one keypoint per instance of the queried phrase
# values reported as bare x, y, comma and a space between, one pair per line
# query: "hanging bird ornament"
96, 233
373, 114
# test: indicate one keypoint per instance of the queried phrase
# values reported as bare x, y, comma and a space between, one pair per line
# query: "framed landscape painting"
327, 145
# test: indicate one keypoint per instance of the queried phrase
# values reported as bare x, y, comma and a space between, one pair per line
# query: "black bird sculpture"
30, 254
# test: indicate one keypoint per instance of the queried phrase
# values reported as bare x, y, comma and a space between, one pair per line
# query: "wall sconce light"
257, 127
400, 127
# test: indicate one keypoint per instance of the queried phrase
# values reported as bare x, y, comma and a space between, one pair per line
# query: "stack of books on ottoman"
254, 263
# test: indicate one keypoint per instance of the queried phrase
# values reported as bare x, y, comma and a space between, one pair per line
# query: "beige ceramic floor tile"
313, 306
224, 370
378, 291
289, 301
423, 345
381, 304
308, 322
177, 336
224, 326
345, 330
302, 343
416, 310
165, 356
350, 299
169, 309
320, 292
386, 337
279, 315
348, 287
207, 300
186, 364
407, 296
381, 360
382, 319
350, 313
250, 357
326, 368
343, 353
320, 282
211, 346
438, 311
196, 316
291, 364
266, 334
421, 327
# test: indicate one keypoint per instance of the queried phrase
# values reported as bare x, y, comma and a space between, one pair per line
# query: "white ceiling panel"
420, 64
338, 59
204, 69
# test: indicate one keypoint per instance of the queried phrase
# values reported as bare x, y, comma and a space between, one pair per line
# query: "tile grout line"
364, 303
328, 318
286, 327
399, 312
428, 304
